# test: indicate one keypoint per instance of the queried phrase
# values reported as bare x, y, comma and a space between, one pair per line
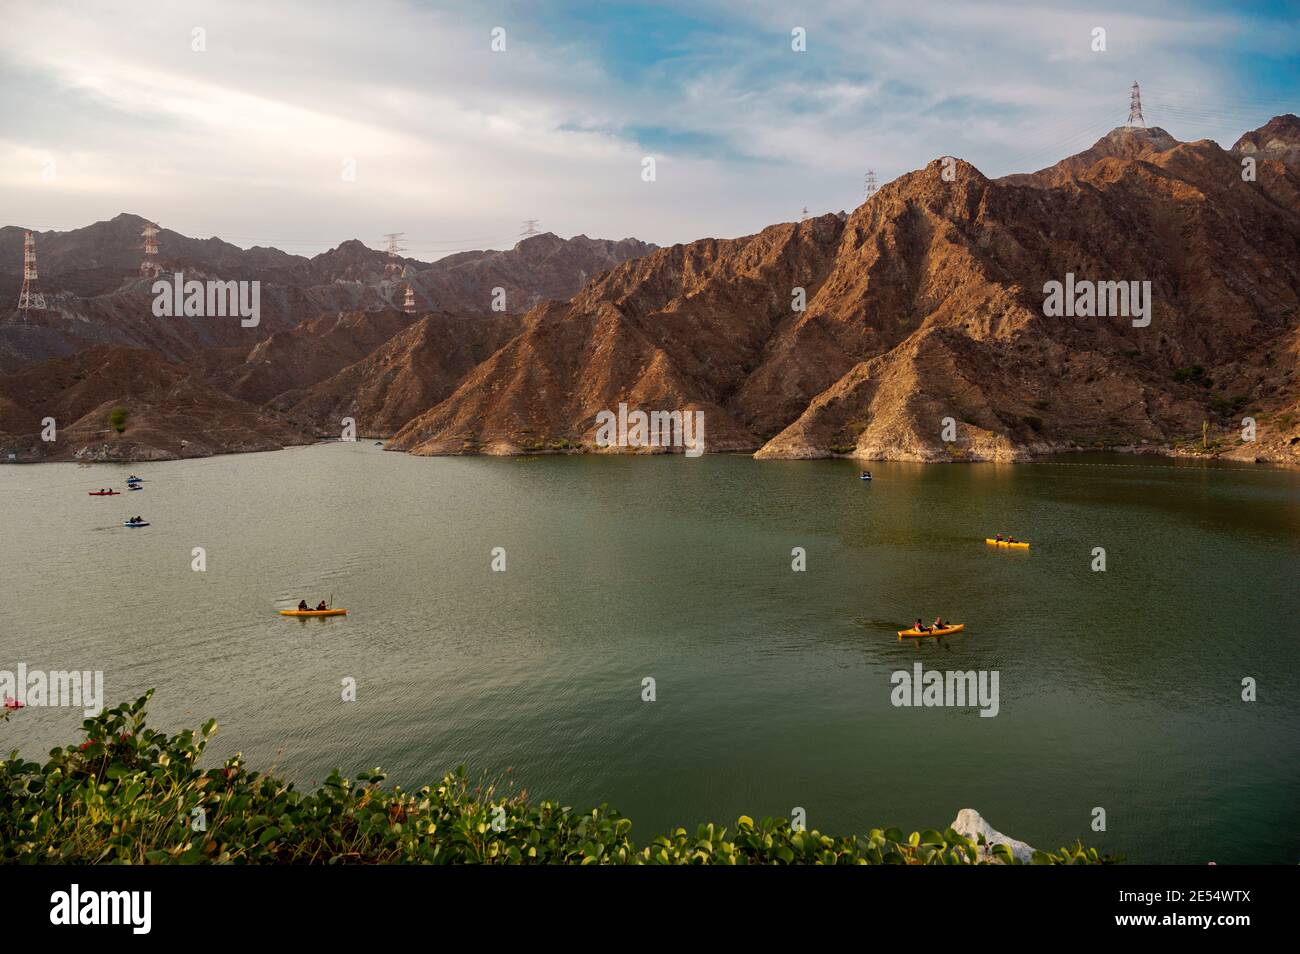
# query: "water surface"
1119, 689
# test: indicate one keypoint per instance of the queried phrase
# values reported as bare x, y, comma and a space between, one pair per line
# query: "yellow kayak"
328, 612
1006, 543
932, 632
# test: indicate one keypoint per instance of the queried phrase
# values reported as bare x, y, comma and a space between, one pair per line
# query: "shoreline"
1044, 456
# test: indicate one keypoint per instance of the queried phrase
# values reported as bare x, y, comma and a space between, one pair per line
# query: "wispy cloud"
455, 143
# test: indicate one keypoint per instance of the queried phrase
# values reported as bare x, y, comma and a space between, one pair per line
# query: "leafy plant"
130, 794
117, 419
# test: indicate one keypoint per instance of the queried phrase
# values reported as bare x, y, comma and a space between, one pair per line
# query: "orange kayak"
1018, 545
932, 632
328, 612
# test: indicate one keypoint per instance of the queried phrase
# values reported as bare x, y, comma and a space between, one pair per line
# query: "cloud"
455, 143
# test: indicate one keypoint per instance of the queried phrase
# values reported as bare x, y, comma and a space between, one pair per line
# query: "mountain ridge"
923, 332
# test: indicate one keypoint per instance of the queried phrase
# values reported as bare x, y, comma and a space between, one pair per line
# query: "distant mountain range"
924, 333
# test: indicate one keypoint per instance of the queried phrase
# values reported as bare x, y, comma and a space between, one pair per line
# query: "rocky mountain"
1120, 143
1279, 139
1141, 294
412, 371
296, 359
926, 318
94, 295
166, 411
540, 268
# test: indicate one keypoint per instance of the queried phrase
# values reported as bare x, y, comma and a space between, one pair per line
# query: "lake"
1119, 689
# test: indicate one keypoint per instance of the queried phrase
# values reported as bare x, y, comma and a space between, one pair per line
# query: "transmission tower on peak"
394, 266
869, 184
30, 298
1135, 120
408, 306
529, 228
149, 267
803, 216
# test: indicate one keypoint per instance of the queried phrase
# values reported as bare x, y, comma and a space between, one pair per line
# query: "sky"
304, 123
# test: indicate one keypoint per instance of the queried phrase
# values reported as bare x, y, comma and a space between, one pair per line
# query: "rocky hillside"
916, 328
540, 268
412, 371
926, 308
166, 411
296, 359
94, 294
1278, 139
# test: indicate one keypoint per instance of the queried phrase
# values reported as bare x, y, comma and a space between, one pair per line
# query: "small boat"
864, 477
1018, 545
128, 523
902, 633
326, 612
134, 487
104, 493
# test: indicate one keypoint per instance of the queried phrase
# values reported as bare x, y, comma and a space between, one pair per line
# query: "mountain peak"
1279, 138
1126, 142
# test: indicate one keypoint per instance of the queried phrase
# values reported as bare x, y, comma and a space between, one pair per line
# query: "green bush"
117, 419
129, 794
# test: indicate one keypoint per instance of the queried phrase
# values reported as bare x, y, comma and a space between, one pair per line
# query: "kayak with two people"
322, 609
940, 628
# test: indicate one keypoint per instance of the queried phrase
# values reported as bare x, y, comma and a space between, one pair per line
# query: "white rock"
971, 824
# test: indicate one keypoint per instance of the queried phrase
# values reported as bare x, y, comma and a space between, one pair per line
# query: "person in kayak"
321, 605
998, 538
921, 627
302, 605
939, 623
1011, 539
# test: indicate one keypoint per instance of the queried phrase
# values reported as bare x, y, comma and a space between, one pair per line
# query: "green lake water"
1118, 689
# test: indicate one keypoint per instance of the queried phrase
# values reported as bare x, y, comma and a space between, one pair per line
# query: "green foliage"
129, 794
117, 419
